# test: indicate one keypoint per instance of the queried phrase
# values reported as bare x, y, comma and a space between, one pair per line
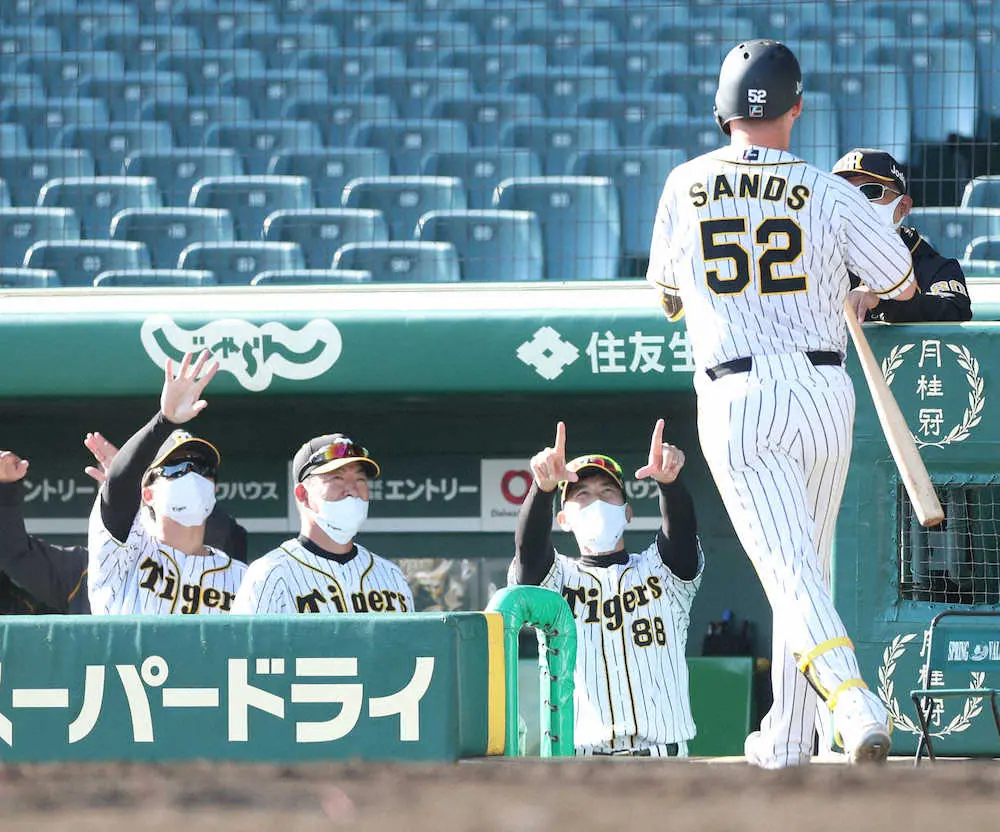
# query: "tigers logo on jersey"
613, 609
164, 584
374, 600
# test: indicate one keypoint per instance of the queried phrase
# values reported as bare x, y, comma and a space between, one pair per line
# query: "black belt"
818, 358
637, 752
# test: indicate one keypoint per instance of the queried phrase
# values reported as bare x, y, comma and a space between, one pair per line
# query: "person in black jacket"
941, 291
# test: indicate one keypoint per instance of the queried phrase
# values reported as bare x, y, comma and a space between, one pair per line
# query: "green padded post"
550, 615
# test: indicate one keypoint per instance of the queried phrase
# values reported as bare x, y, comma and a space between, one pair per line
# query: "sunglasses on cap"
873, 191
605, 463
338, 449
173, 470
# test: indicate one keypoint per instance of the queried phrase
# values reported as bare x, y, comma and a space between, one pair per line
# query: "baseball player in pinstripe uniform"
754, 245
146, 541
631, 610
323, 570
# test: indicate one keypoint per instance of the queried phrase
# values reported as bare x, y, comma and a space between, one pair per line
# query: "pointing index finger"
656, 443
560, 445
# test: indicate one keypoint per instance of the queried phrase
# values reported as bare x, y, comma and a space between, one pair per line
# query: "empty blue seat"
951, 229
168, 231
562, 89
983, 248
80, 27
281, 45
581, 222
482, 169
17, 11
987, 43
638, 174
816, 137
357, 22
410, 261
205, 68
310, 277
319, 232
492, 245
218, 25
813, 55
13, 138
190, 119
409, 140
565, 41
153, 278
484, 115
555, 140
633, 63
78, 262
692, 135
258, 140
348, 66
96, 199
402, 200
20, 39
249, 199
238, 263
850, 37
26, 171
177, 170
43, 120
338, 116
489, 66
21, 278
61, 72
20, 86
785, 21
127, 92
697, 86
497, 23
710, 36
925, 18
329, 170
415, 90
981, 192
633, 113
424, 43
270, 91
634, 23
4, 195
140, 47
109, 144
20, 228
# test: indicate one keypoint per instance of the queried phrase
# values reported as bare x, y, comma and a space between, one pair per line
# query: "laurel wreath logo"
894, 360
887, 690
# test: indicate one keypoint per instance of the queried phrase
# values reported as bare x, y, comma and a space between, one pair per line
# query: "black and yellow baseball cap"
875, 163
328, 453
181, 445
598, 462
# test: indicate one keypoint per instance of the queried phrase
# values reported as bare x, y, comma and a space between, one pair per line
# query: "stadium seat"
581, 224
281, 45
565, 41
330, 170
96, 199
402, 200
849, 37
409, 140
641, 22
816, 134
153, 11
109, 144
320, 232
919, 19
987, 41
633, 63
80, 27
19, 39
141, 47
22, 278
562, 89
347, 67
632, 114
311, 277
168, 231
338, 116
44, 119
26, 171
237, 263
692, 135
178, 169
492, 245
638, 174
498, 23
415, 90
484, 115
981, 192
258, 140
190, 119
785, 21
951, 229
20, 86
482, 169
424, 43
61, 72
710, 35
127, 92
218, 25
974, 270
983, 248
153, 278
555, 140
412, 262
489, 67
78, 262
205, 68
13, 138
249, 199
20, 228
270, 91
357, 22
813, 55
4, 195
697, 87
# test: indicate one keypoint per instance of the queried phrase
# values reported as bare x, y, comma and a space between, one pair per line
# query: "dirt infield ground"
506, 796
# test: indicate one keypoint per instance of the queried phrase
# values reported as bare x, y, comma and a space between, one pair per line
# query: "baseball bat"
897, 433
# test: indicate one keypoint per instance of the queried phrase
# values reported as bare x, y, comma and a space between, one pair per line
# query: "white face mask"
187, 500
342, 519
887, 212
598, 527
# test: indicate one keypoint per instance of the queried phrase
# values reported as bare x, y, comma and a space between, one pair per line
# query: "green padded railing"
550, 615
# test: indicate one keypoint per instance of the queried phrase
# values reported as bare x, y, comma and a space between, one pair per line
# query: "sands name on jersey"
614, 609
165, 585
749, 186
374, 600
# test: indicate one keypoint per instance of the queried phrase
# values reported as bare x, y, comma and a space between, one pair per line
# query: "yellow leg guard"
831, 701
806, 659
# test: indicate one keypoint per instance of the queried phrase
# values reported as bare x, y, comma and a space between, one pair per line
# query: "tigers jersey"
144, 576
631, 678
292, 579
758, 244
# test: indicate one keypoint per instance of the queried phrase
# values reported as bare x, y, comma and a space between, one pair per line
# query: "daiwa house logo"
548, 353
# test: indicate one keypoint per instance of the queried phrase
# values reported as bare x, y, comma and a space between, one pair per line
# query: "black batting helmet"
759, 79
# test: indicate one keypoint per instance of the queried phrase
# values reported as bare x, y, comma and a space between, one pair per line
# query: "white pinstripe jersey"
291, 579
631, 673
143, 576
758, 244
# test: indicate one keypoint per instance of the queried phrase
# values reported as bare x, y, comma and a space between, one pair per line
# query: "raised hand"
665, 461
12, 467
862, 299
181, 399
103, 452
549, 465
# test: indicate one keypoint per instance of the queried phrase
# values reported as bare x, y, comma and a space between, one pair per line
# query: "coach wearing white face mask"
146, 540
323, 570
